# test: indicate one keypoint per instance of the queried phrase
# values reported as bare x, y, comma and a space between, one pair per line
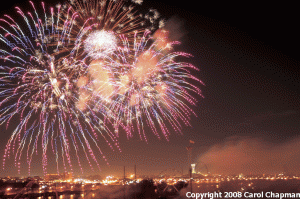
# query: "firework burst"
94, 18
38, 88
143, 84
118, 16
70, 74
100, 43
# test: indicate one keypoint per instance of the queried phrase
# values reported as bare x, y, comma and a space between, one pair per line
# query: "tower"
189, 149
189, 154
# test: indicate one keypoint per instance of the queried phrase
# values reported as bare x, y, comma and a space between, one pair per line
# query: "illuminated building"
52, 177
64, 176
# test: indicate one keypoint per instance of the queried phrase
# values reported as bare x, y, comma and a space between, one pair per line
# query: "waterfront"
157, 187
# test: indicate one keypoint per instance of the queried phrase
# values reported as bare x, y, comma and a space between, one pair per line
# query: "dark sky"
248, 59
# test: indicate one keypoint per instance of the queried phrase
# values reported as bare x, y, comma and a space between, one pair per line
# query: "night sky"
249, 118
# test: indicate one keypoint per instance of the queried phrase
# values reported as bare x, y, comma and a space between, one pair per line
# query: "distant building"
94, 177
52, 177
37, 178
67, 176
64, 176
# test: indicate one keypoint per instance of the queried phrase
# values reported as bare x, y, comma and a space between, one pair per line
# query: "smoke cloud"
175, 27
249, 155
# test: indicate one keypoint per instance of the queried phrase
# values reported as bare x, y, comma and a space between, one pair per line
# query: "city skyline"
248, 62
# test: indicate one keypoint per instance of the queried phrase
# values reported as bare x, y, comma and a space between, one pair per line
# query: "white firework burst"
100, 44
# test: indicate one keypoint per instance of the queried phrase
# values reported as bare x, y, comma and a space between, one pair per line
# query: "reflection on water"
108, 192
93, 195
